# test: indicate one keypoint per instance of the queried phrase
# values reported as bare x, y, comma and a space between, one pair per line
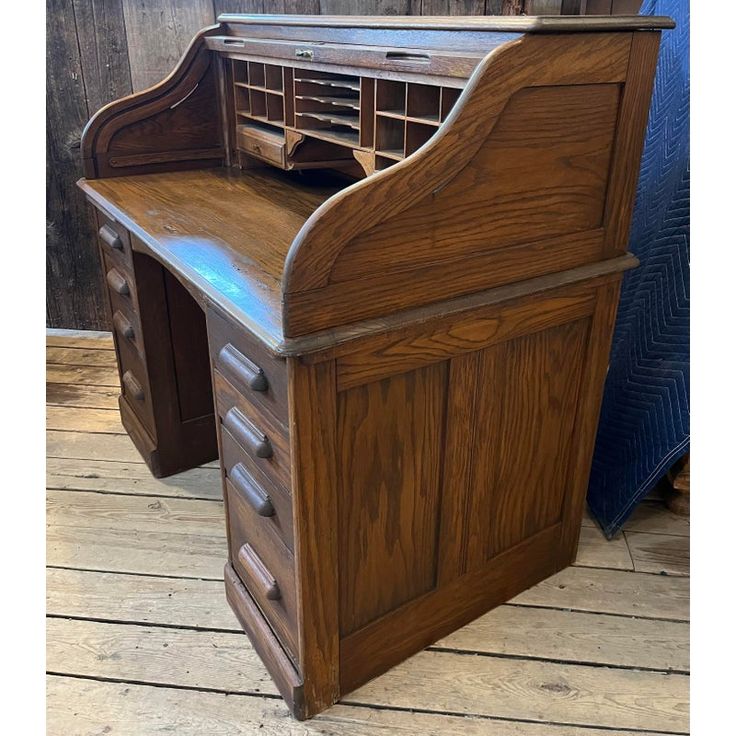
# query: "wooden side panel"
172, 126
179, 127
542, 172
525, 404
390, 443
513, 458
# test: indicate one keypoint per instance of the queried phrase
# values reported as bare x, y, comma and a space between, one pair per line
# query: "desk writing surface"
225, 232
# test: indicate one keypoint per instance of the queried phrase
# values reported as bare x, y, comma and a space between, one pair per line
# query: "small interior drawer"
262, 144
248, 365
241, 473
264, 445
266, 567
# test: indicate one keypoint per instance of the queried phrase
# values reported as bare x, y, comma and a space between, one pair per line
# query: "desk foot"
195, 444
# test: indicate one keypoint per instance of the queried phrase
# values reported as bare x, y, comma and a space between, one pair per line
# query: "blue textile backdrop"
644, 425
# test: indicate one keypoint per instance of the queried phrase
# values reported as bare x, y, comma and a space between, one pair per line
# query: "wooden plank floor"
141, 641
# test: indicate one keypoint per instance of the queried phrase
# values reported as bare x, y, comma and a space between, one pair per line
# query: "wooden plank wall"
100, 50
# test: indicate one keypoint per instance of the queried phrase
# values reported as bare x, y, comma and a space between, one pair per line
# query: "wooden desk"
373, 264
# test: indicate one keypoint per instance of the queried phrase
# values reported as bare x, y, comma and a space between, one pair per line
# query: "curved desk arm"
176, 124
530, 174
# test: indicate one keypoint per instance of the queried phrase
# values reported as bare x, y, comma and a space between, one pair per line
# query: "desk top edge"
511, 24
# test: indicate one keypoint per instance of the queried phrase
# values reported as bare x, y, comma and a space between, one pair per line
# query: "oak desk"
373, 264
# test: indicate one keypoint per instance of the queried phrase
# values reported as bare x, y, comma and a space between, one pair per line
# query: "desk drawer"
114, 239
126, 326
270, 147
264, 443
120, 286
246, 363
270, 503
134, 382
266, 567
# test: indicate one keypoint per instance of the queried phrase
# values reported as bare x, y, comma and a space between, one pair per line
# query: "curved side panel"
172, 125
527, 177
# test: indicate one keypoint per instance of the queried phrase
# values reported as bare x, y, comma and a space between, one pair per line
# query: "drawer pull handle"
246, 434
245, 371
251, 491
109, 236
253, 563
117, 283
132, 386
123, 325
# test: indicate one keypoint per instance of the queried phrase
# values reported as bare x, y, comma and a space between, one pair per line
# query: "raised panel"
525, 414
390, 442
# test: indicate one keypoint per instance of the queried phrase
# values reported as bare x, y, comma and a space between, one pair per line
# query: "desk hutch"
373, 265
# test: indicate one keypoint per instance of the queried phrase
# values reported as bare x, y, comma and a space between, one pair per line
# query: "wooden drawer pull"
117, 282
132, 386
246, 434
242, 369
251, 491
254, 565
123, 325
109, 236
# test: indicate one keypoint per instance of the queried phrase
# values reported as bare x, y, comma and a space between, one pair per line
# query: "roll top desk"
373, 265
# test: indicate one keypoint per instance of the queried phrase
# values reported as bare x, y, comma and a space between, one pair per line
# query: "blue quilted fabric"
644, 425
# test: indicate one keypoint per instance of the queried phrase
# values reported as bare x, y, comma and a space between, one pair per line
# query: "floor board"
141, 640
155, 536
79, 339
659, 553
89, 707
106, 476
612, 591
96, 397
76, 419
82, 356
508, 630
82, 375
595, 551
432, 681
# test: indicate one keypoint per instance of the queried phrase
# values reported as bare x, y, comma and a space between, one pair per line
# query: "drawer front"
120, 286
114, 239
271, 504
134, 382
266, 567
265, 446
271, 149
126, 326
258, 375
